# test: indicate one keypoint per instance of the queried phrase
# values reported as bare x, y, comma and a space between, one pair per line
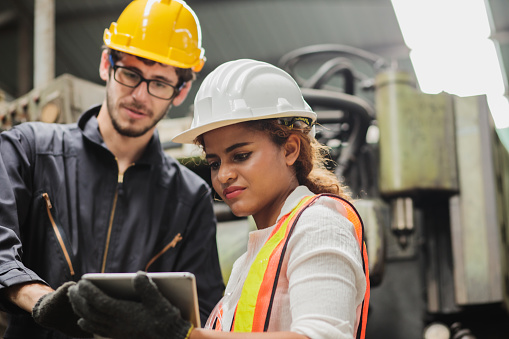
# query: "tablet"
178, 287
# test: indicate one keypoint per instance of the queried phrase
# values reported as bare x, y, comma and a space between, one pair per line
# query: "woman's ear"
292, 149
182, 94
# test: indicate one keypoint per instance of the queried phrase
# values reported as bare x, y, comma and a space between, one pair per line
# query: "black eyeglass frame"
142, 79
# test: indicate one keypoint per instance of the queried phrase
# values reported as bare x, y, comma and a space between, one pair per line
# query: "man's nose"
141, 91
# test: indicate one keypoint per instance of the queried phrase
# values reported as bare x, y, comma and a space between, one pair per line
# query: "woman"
305, 273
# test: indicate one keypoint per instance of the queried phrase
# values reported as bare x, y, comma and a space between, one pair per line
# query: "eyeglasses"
156, 88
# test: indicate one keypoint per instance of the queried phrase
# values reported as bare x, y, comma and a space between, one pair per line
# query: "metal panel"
417, 150
501, 156
475, 226
375, 215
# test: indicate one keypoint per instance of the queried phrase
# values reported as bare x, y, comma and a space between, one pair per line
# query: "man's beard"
126, 131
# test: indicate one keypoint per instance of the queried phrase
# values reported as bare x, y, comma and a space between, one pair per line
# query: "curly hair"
309, 167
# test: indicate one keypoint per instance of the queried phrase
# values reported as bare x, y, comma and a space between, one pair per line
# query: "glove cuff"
36, 309
182, 329
189, 332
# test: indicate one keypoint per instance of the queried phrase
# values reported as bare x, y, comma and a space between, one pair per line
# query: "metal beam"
44, 42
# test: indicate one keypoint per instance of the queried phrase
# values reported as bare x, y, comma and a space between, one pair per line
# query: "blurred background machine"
62, 101
432, 174
429, 174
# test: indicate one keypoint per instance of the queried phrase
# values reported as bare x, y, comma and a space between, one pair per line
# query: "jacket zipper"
120, 181
57, 233
172, 244
110, 225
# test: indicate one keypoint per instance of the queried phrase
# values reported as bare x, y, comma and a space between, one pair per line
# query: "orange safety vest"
253, 310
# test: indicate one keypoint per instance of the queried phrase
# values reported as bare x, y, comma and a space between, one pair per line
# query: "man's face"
133, 111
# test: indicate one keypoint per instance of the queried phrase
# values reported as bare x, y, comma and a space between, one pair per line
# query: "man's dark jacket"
66, 211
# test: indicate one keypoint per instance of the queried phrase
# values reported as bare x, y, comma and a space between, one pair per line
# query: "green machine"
442, 154
432, 186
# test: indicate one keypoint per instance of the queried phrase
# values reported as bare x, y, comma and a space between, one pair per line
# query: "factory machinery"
429, 175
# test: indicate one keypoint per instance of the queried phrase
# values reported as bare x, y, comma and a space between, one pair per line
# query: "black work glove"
153, 317
54, 311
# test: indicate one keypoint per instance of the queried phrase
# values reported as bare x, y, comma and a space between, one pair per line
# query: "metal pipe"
362, 114
402, 224
288, 61
44, 42
330, 68
24, 56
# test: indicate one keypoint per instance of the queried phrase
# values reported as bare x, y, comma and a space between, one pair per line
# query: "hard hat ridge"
243, 90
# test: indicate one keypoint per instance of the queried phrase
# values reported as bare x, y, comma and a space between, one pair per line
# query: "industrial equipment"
437, 178
61, 101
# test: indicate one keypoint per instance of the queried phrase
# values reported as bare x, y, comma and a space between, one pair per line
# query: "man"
100, 195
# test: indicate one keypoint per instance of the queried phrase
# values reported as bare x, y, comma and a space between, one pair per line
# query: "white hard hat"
244, 90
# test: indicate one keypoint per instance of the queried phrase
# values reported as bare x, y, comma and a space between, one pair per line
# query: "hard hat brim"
188, 136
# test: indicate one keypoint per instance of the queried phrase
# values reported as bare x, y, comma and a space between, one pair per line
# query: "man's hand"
53, 310
152, 318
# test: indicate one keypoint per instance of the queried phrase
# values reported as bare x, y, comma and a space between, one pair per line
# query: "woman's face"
249, 172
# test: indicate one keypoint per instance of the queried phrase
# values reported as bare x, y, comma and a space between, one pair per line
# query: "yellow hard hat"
166, 31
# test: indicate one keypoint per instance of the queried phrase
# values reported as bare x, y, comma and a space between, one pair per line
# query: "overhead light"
451, 50
428, 22
461, 69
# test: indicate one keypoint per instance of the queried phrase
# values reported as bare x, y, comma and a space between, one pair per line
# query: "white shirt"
322, 280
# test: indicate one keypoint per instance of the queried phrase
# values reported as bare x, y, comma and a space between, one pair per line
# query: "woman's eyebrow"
234, 146
228, 149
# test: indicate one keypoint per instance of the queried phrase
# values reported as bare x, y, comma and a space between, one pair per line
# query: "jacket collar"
87, 122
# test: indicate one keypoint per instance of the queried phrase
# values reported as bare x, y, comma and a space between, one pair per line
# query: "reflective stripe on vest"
253, 310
